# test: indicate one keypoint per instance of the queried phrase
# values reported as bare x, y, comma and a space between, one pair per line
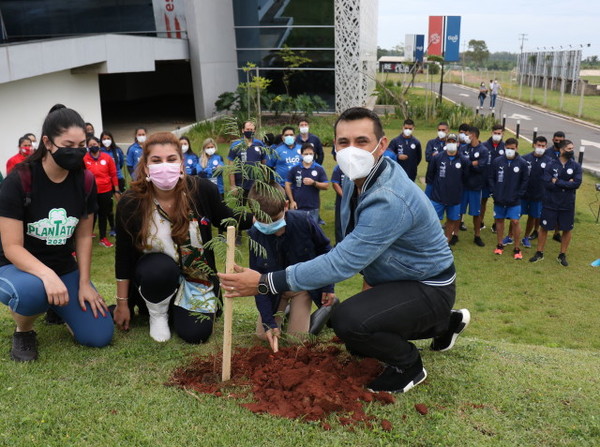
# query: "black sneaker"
396, 380
482, 226
533, 236
562, 260
453, 239
493, 227
557, 237
538, 256
463, 227
477, 240
52, 317
24, 346
459, 320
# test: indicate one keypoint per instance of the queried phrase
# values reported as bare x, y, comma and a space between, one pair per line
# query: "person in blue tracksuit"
476, 180
306, 137
134, 152
337, 180
435, 147
532, 201
557, 140
190, 159
245, 152
562, 178
507, 180
286, 155
408, 149
495, 147
446, 174
208, 164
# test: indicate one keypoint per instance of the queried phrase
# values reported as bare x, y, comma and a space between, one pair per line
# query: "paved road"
546, 123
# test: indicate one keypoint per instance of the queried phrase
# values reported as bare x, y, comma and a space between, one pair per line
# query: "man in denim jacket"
409, 275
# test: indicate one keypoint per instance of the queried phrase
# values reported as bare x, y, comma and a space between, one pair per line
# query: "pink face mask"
164, 175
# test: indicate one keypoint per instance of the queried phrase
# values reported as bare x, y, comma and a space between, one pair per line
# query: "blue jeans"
25, 295
493, 100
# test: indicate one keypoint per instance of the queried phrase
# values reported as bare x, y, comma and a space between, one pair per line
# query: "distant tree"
397, 50
477, 52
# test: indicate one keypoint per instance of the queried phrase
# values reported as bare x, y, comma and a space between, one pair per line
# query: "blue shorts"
473, 200
532, 208
562, 220
507, 212
485, 193
25, 295
452, 211
428, 190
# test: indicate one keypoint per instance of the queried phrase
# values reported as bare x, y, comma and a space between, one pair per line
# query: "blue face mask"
289, 140
270, 228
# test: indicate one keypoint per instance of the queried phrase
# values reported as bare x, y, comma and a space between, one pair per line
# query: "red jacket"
104, 169
14, 160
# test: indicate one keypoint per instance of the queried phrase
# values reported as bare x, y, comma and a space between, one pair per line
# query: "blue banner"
419, 47
452, 40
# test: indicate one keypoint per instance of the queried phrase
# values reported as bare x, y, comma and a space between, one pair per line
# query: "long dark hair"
189, 151
113, 146
59, 119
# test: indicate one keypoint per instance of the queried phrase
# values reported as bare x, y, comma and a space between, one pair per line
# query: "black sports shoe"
538, 256
459, 320
24, 346
477, 240
482, 225
453, 239
533, 236
396, 380
493, 227
557, 237
52, 317
562, 260
463, 227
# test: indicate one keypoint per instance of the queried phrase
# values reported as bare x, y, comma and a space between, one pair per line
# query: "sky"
549, 23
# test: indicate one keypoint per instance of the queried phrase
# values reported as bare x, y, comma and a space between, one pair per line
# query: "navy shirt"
249, 155
535, 185
316, 144
433, 148
494, 151
446, 174
411, 147
508, 180
306, 196
552, 152
477, 175
561, 195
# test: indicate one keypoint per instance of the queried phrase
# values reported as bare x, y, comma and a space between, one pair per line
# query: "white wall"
25, 103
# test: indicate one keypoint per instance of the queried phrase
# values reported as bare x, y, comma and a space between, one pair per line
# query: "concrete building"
126, 59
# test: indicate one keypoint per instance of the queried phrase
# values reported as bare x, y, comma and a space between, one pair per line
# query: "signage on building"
444, 37
414, 47
169, 16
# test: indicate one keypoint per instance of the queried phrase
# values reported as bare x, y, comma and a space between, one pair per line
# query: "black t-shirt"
50, 219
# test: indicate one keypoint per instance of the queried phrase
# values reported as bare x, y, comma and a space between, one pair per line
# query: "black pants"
379, 322
105, 205
157, 277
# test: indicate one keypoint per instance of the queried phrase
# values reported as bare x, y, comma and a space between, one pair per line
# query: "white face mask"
308, 159
184, 148
461, 136
356, 163
441, 134
34, 145
407, 132
210, 151
141, 138
510, 153
304, 130
451, 148
107, 142
496, 138
467, 140
540, 150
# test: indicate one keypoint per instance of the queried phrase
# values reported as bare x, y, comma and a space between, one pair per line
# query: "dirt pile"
308, 382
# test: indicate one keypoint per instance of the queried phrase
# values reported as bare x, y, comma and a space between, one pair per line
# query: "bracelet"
121, 299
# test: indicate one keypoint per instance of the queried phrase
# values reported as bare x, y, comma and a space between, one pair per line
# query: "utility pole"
523, 38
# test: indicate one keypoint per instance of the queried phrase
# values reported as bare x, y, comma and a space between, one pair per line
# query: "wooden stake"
228, 307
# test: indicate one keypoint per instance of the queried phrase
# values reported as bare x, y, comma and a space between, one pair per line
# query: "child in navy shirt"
304, 183
288, 238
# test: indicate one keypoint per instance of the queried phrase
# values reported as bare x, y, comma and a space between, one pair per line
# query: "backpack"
26, 181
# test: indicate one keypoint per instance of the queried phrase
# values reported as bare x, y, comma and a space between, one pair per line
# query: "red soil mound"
308, 382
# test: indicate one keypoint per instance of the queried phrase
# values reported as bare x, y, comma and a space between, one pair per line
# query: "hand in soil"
273, 337
244, 282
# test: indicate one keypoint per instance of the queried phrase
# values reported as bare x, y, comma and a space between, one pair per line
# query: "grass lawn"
526, 372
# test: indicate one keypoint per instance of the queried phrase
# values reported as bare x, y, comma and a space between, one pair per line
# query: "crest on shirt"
569, 171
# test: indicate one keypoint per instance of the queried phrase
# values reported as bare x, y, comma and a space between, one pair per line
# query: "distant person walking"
483, 90
494, 88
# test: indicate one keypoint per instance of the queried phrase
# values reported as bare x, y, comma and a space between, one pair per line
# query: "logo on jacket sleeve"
55, 229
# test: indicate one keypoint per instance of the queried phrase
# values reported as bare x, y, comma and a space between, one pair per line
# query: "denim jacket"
392, 233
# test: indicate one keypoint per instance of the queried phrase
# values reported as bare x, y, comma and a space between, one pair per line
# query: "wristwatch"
263, 287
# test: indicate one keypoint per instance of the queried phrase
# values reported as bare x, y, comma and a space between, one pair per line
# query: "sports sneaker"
517, 254
525, 242
482, 226
557, 237
562, 260
493, 227
507, 240
477, 240
396, 380
112, 233
52, 317
499, 249
453, 239
106, 243
538, 256
533, 236
459, 320
24, 346
463, 227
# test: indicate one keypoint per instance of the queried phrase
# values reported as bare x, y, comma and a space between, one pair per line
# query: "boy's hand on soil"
327, 299
273, 337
